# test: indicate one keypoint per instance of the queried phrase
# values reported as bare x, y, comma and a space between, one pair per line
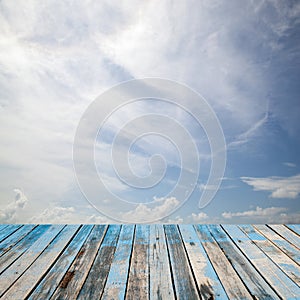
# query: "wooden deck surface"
149, 262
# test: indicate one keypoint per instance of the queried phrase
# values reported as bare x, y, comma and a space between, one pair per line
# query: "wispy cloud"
280, 187
290, 165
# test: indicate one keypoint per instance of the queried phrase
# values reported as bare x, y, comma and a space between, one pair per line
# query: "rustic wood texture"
149, 262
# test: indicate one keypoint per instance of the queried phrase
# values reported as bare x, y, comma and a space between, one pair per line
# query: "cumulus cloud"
159, 211
280, 187
200, 217
9, 214
58, 214
263, 215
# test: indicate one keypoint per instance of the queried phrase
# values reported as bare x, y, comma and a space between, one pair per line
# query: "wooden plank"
22, 287
185, 287
115, 287
10, 275
96, 278
159, 266
74, 278
138, 281
7, 231
14, 238
15, 252
3, 226
206, 278
281, 283
280, 242
287, 234
255, 283
230, 280
286, 264
294, 227
51, 280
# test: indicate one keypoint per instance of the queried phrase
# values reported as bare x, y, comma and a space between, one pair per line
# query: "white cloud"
200, 217
280, 187
58, 214
143, 212
263, 215
289, 164
10, 213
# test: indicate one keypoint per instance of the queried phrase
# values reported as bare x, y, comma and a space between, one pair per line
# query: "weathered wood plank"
7, 231
281, 283
231, 282
138, 281
3, 226
115, 287
206, 278
50, 282
294, 227
280, 242
22, 287
159, 266
95, 281
255, 283
287, 234
10, 275
185, 287
286, 264
15, 252
14, 238
74, 278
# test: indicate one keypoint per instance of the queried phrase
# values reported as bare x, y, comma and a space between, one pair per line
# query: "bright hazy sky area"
57, 57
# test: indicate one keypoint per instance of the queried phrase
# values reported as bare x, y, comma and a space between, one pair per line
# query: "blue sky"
242, 57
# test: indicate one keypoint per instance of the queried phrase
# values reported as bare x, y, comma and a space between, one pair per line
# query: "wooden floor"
149, 262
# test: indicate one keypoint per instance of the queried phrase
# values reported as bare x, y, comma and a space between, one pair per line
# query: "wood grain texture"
207, 280
23, 286
232, 283
14, 238
294, 227
51, 280
255, 283
95, 281
10, 275
281, 283
149, 262
285, 263
138, 281
74, 278
286, 247
185, 286
287, 234
159, 265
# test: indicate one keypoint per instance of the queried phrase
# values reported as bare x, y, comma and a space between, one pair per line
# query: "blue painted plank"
287, 234
161, 286
7, 231
280, 242
282, 284
206, 278
138, 281
10, 275
49, 283
285, 263
23, 286
97, 276
230, 280
185, 286
115, 287
255, 283
14, 238
74, 278
19, 249
294, 227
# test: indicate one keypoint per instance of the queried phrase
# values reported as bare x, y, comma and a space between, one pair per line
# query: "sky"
241, 58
